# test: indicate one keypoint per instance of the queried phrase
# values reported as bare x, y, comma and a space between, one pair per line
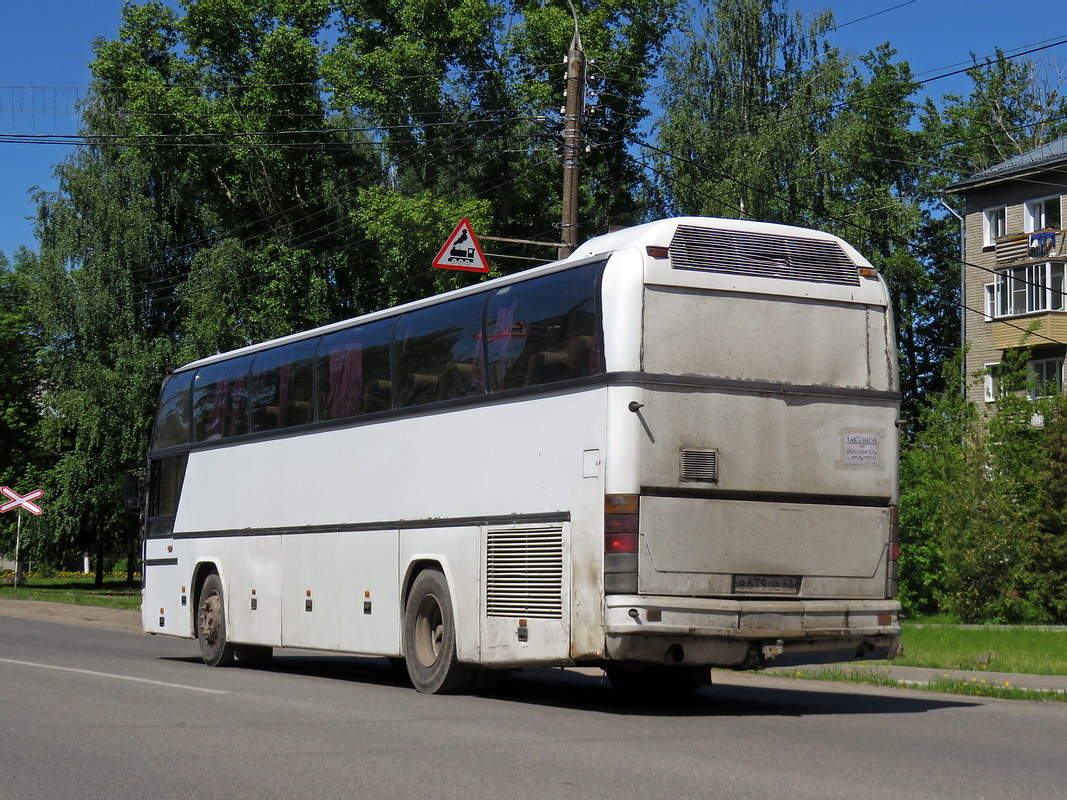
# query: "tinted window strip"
597, 268
571, 386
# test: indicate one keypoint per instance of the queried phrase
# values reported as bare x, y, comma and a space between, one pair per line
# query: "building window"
1028, 289
1044, 377
989, 381
990, 301
1042, 214
994, 225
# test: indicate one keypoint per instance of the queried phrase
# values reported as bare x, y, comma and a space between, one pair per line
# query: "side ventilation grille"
524, 573
762, 255
700, 464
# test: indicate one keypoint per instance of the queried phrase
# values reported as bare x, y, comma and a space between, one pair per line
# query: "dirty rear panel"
768, 466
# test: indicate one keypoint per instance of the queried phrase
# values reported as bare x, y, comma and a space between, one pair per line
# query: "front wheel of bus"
211, 625
430, 638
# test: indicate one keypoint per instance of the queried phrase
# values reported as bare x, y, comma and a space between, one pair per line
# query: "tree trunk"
99, 582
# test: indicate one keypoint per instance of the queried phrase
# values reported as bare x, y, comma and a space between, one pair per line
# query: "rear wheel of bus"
430, 638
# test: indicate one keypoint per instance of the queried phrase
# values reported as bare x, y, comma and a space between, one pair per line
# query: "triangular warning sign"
462, 251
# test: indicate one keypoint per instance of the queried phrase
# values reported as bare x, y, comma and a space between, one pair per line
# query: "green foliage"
982, 503
258, 167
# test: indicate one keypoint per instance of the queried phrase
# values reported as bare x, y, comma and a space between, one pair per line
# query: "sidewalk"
921, 676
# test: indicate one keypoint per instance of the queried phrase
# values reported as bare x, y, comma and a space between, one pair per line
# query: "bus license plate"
767, 584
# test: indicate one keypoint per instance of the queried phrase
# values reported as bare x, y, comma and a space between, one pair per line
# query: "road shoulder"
112, 619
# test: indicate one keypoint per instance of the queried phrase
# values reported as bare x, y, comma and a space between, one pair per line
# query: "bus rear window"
544, 330
220, 400
353, 371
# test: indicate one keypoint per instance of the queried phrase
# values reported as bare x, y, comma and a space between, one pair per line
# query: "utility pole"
572, 137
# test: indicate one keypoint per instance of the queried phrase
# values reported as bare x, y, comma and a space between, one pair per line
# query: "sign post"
17, 502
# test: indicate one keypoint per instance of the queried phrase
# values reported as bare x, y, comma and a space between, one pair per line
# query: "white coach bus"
674, 450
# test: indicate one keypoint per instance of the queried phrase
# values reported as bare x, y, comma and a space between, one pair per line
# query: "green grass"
78, 590
1023, 650
873, 676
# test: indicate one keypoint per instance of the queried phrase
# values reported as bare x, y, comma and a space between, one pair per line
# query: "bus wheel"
658, 682
430, 638
211, 625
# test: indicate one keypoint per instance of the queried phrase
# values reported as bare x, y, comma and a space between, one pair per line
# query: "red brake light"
620, 543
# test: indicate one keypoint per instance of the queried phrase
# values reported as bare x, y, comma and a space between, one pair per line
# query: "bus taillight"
620, 542
622, 521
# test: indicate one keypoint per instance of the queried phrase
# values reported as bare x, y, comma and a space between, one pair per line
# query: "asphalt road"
94, 713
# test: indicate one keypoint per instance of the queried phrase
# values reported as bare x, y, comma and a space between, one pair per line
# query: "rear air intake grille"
762, 255
700, 465
524, 573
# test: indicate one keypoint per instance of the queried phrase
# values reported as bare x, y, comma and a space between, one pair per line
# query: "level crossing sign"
462, 251
16, 500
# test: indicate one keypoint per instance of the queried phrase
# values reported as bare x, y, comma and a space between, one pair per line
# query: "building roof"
1047, 156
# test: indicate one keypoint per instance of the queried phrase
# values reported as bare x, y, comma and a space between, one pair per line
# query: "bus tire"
215, 649
430, 638
658, 683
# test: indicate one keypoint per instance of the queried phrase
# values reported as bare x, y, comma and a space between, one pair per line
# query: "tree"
22, 462
257, 167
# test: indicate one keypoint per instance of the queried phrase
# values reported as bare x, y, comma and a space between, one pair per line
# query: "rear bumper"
749, 633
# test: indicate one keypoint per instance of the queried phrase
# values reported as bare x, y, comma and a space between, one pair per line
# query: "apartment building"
1015, 248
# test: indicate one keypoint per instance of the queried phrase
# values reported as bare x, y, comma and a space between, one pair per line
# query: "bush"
983, 506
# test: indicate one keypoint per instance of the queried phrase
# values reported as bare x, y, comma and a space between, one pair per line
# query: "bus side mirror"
131, 491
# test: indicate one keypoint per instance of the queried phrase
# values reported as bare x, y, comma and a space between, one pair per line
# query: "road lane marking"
112, 675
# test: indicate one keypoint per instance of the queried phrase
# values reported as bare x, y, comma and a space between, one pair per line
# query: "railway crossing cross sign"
462, 251
16, 500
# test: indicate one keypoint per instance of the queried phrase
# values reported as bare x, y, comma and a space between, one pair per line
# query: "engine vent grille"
700, 464
524, 573
762, 255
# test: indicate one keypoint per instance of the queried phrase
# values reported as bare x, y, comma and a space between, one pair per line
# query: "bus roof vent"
762, 255
524, 572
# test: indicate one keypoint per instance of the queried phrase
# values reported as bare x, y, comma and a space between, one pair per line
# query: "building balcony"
1020, 248
1037, 329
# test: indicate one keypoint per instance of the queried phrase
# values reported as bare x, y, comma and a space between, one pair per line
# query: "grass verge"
1022, 650
873, 676
77, 590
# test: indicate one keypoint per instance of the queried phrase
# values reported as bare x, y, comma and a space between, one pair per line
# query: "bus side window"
165, 477
172, 421
220, 400
353, 371
438, 352
544, 330
280, 395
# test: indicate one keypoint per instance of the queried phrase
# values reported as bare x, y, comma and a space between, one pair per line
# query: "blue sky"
45, 50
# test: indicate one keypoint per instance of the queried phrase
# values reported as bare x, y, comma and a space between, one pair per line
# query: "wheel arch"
200, 574
416, 566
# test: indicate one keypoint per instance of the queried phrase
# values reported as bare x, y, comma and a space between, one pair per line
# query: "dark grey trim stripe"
769, 497
747, 386
402, 524
161, 562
